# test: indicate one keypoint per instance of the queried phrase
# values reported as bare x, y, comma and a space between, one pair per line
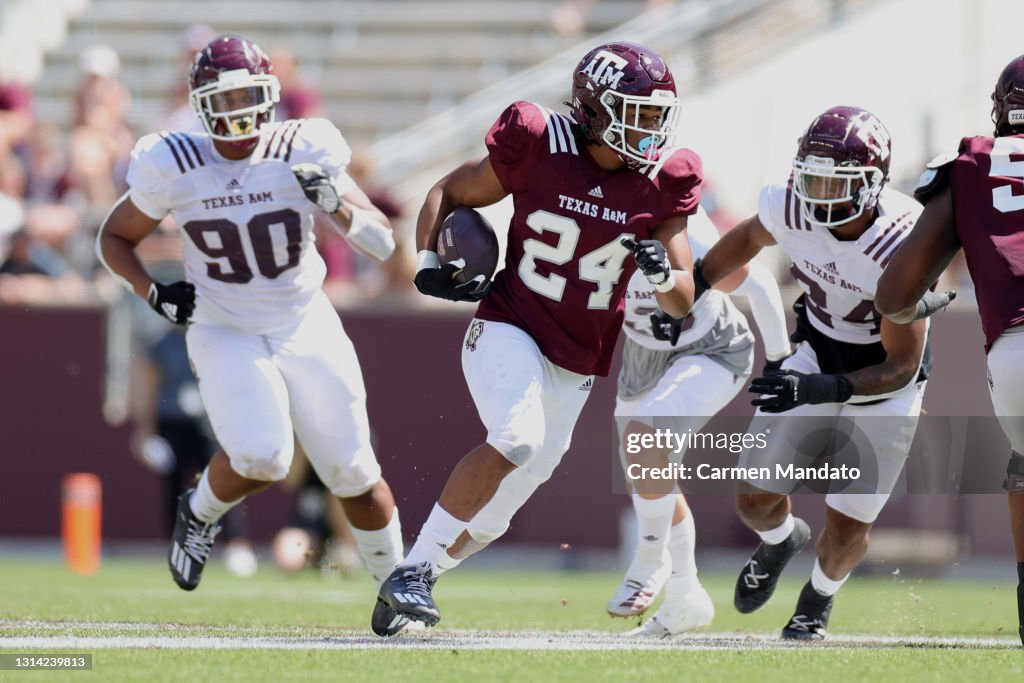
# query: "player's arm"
919, 262
904, 346
352, 214
730, 254
666, 261
125, 226
756, 283
472, 184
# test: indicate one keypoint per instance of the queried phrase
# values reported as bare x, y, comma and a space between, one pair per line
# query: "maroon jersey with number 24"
565, 269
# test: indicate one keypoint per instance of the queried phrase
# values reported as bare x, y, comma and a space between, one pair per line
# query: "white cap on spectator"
99, 60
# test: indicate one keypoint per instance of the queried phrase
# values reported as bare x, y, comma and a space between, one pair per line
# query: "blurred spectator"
172, 435
15, 115
33, 268
180, 114
300, 98
569, 19
48, 181
101, 139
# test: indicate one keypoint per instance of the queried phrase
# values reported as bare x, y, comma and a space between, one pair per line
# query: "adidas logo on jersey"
234, 184
596, 192
831, 267
588, 385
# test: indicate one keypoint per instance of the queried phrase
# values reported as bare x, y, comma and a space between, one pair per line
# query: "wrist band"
426, 258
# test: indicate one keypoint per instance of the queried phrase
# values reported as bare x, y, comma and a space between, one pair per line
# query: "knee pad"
1014, 482
519, 452
260, 457
494, 518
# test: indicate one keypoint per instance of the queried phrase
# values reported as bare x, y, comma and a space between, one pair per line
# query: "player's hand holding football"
317, 186
666, 328
438, 281
652, 259
175, 301
788, 389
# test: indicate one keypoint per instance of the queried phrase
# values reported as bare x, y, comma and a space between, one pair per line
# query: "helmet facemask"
235, 106
830, 195
624, 114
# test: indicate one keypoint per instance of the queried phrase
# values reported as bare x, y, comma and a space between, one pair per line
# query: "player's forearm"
368, 230
118, 256
677, 301
728, 255
884, 378
435, 207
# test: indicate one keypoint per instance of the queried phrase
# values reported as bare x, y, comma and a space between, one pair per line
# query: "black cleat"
405, 594
190, 545
756, 582
811, 618
386, 622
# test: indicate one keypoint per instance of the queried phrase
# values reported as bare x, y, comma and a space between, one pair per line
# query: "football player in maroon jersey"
974, 200
591, 188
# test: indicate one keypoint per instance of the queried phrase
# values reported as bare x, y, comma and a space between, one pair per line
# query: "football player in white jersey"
839, 225
266, 345
692, 368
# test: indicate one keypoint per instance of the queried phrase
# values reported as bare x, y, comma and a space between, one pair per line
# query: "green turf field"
139, 626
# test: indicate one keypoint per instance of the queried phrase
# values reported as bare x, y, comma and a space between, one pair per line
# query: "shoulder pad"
935, 177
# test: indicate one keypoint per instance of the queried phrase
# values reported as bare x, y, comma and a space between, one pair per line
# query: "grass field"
505, 626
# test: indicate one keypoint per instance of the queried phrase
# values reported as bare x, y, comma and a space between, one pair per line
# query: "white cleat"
639, 588
687, 606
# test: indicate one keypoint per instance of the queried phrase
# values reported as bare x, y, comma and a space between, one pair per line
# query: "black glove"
789, 389
666, 328
700, 283
317, 186
438, 282
651, 257
933, 302
174, 302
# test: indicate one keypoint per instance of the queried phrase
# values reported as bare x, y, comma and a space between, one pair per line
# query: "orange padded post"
82, 500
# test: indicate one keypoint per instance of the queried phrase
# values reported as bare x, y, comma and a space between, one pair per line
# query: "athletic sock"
438, 534
778, 534
653, 522
205, 505
681, 543
380, 549
822, 584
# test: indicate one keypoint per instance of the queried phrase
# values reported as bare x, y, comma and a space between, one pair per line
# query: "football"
468, 235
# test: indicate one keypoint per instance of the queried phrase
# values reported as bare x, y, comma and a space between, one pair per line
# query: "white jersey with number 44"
246, 226
838, 277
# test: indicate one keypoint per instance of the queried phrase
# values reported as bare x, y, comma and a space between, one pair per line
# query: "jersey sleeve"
513, 144
771, 205
320, 142
682, 176
147, 185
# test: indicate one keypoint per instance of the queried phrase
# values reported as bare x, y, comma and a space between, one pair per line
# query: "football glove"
666, 328
174, 301
317, 186
788, 389
651, 258
933, 302
438, 282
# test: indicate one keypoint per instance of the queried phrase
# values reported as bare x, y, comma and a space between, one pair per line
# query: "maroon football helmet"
610, 85
841, 165
233, 89
1008, 99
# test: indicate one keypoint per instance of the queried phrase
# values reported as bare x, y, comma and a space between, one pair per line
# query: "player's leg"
877, 439
247, 403
798, 435
1005, 377
328, 408
562, 401
694, 388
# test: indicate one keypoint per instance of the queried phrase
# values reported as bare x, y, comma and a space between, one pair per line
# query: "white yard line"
51, 637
